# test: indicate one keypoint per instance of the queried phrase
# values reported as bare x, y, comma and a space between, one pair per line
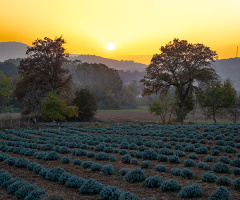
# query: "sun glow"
111, 46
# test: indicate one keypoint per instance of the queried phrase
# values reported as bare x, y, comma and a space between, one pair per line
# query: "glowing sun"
111, 46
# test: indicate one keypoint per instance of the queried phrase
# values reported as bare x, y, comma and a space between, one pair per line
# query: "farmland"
80, 160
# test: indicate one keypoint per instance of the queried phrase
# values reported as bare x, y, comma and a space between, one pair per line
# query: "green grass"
140, 108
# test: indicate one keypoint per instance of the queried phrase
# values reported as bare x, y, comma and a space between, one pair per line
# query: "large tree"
41, 71
5, 90
179, 64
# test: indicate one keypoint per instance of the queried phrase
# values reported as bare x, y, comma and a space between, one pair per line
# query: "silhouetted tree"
217, 97
41, 72
179, 64
5, 90
86, 104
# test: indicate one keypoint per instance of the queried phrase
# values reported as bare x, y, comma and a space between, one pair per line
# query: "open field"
38, 158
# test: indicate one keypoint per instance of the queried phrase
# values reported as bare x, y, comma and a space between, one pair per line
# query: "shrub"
175, 171
193, 156
74, 182
110, 193
91, 187
77, 162
145, 164
229, 149
123, 171
11, 161
102, 156
209, 177
209, 158
134, 161
64, 177
203, 165
112, 158
90, 155
149, 155
174, 159
220, 194
236, 162
187, 173
220, 168
189, 163
52, 156
180, 153
189, 148
236, 184
170, 185
135, 175
191, 191
38, 168
126, 158
236, 171
153, 182
14, 187
36, 194
65, 160
79, 152
201, 150
162, 158
3, 157
123, 152
160, 168
54, 173
128, 196
215, 152
21, 162
86, 164
4, 176
96, 167
40, 155
224, 159
224, 181
108, 169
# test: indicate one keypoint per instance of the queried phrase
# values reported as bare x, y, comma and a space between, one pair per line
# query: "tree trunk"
180, 114
214, 117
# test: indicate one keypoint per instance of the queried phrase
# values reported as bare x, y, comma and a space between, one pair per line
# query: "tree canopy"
5, 89
179, 64
41, 71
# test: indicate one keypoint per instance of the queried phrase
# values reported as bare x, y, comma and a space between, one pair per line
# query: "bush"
215, 152
77, 162
135, 175
224, 159
203, 165
191, 191
236, 184
74, 182
52, 156
3, 157
40, 155
54, 173
21, 162
36, 194
220, 194
201, 150
25, 190
126, 158
174, 159
236, 162
96, 167
123, 152
153, 182
4, 176
123, 171
86, 164
134, 161
224, 181
110, 193
11, 161
79, 152
64, 177
170, 185
160, 168
189, 163
145, 164
162, 158
90, 155
209, 158
14, 187
112, 158
149, 155
65, 160
187, 173
91, 187
180, 153
108, 169
220, 168
128, 196
38, 168
236, 171
193, 156
175, 171
102, 156
209, 177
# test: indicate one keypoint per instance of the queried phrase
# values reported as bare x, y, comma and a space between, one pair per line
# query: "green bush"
220, 194
191, 191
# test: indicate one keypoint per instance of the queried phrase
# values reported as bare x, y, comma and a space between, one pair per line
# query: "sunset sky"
138, 28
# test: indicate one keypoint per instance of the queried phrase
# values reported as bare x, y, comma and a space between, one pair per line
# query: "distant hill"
12, 50
116, 64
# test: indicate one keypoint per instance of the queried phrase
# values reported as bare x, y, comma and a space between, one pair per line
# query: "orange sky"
137, 27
